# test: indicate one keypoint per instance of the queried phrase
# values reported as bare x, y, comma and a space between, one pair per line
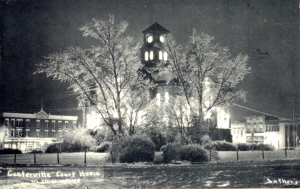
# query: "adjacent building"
281, 133
26, 132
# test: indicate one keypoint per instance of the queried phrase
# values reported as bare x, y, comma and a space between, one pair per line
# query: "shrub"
133, 149
36, 151
53, 148
193, 153
243, 147
224, 146
10, 151
265, 147
171, 152
162, 148
104, 147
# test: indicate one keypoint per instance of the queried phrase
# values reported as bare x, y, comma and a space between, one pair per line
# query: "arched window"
146, 56
151, 55
165, 56
167, 97
160, 55
158, 99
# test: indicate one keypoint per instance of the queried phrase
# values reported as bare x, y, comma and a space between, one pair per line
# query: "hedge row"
227, 146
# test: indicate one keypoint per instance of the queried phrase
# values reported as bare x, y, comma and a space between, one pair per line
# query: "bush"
36, 151
104, 147
224, 146
162, 148
171, 152
193, 153
243, 147
53, 148
133, 149
265, 147
10, 151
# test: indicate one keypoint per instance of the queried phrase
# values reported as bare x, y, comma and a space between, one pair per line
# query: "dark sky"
33, 29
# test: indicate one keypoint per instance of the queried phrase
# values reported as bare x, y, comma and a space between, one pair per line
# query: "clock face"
161, 39
149, 39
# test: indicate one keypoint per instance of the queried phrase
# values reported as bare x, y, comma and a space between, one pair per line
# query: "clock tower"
153, 55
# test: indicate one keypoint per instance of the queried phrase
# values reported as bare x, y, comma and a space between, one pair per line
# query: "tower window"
161, 39
160, 55
165, 56
166, 97
151, 55
149, 39
146, 56
158, 99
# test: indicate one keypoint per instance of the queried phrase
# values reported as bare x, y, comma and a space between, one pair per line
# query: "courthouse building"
26, 132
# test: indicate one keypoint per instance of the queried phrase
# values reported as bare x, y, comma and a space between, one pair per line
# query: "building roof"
156, 28
40, 115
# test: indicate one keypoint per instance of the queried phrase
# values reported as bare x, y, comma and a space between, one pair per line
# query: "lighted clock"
161, 39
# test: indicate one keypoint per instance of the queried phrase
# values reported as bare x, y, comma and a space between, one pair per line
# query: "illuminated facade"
280, 133
33, 131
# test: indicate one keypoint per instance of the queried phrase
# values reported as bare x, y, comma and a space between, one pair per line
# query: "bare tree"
105, 74
207, 73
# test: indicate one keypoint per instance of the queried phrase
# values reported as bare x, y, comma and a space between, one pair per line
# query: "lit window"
160, 55
158, 99
149, 39
161, 39
151, 55
146, 56
46, 133
165, 56
167, 97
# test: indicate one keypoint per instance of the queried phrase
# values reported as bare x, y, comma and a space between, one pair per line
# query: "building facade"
26, 132
281, 133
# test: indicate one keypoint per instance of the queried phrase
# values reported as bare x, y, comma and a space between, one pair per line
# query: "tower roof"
156, 28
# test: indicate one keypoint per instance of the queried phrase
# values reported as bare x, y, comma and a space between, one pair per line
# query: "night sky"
267, 31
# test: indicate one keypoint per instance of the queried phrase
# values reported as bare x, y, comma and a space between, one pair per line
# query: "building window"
167, 97
149, 39
53, 124
37, 123
27, 122
59, 124
53, 133
248, 128
19, 133
46, 124
27, 132
67, 125
277, 127
267, 127
160, 55
12, 122
241, 133
158, 99
161, 39
6, 122
146, 56
59, 133
165, 56
19, 122
46, 133
260, 127
12, 133
151, 55
37, 133
6, 132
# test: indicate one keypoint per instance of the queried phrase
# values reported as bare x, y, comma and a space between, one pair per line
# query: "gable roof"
156, 29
